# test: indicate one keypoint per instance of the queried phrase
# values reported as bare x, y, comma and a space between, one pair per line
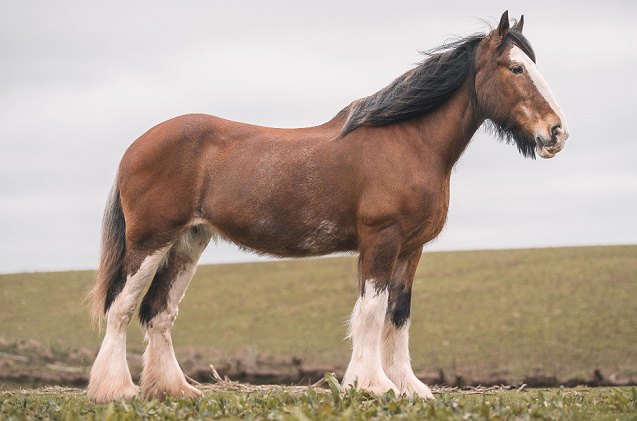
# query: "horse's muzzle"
548, 146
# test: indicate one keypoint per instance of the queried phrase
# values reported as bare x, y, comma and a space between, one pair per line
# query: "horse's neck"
446, 131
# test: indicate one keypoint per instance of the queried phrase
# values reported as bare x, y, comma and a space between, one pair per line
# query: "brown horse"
374, 179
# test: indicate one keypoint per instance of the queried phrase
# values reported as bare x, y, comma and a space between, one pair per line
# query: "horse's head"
512, 93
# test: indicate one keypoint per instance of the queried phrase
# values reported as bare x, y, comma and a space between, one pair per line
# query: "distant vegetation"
478, 317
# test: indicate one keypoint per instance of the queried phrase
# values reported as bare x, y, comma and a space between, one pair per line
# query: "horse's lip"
545, 153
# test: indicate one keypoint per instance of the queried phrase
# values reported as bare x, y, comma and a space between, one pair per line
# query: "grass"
281, 404
481, 315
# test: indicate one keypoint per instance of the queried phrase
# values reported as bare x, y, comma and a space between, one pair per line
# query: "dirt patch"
29, 364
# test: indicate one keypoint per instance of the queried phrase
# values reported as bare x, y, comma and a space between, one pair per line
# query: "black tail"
110, 274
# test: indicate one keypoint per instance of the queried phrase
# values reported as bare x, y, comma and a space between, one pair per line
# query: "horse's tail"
110, 274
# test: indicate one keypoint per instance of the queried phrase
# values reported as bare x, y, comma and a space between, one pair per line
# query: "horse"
372, 180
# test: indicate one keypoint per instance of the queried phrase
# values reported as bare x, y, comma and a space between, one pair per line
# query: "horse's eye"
516, 69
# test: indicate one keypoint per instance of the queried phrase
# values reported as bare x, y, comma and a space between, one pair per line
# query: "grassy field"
284, 404
483, 316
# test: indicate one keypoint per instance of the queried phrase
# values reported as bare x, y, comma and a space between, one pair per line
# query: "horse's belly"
285, 236
282, 206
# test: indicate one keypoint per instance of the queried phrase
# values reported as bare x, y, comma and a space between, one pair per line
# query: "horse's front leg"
395, 341
377, 259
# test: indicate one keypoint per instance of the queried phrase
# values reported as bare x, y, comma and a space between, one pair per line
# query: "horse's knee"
119, 319
162, 322
121, 310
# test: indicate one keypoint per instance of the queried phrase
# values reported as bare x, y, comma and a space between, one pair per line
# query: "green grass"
281, 404
483, 315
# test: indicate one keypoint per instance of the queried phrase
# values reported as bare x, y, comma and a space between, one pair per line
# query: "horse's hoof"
377, 385
417, 389
183, 390
105, 394
191, 392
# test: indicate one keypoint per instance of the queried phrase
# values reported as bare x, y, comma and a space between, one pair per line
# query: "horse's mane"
427, 86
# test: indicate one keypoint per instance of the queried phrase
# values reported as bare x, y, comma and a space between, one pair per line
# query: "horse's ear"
518, 26
503, 26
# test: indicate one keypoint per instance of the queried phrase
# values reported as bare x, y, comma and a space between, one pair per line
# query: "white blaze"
518, 56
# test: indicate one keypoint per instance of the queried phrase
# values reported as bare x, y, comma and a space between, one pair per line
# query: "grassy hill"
481, 315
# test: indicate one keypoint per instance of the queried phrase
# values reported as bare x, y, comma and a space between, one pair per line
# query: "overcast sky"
80, 81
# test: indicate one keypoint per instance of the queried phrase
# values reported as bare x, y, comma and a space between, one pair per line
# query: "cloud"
80, 81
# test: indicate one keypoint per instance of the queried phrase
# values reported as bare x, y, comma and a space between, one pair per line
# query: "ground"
302, 403
540, 317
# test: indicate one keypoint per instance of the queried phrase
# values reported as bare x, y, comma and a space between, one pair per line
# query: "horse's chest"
428, 218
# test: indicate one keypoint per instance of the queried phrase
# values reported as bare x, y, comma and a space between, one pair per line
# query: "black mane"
429, 85
418, 91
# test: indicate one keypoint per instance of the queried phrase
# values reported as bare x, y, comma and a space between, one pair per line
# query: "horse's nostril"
555, 130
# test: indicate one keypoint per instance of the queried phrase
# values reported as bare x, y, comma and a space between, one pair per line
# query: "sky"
79, 81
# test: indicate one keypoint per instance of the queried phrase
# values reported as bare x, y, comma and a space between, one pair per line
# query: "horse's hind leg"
110, 378
395, 343
162, 375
